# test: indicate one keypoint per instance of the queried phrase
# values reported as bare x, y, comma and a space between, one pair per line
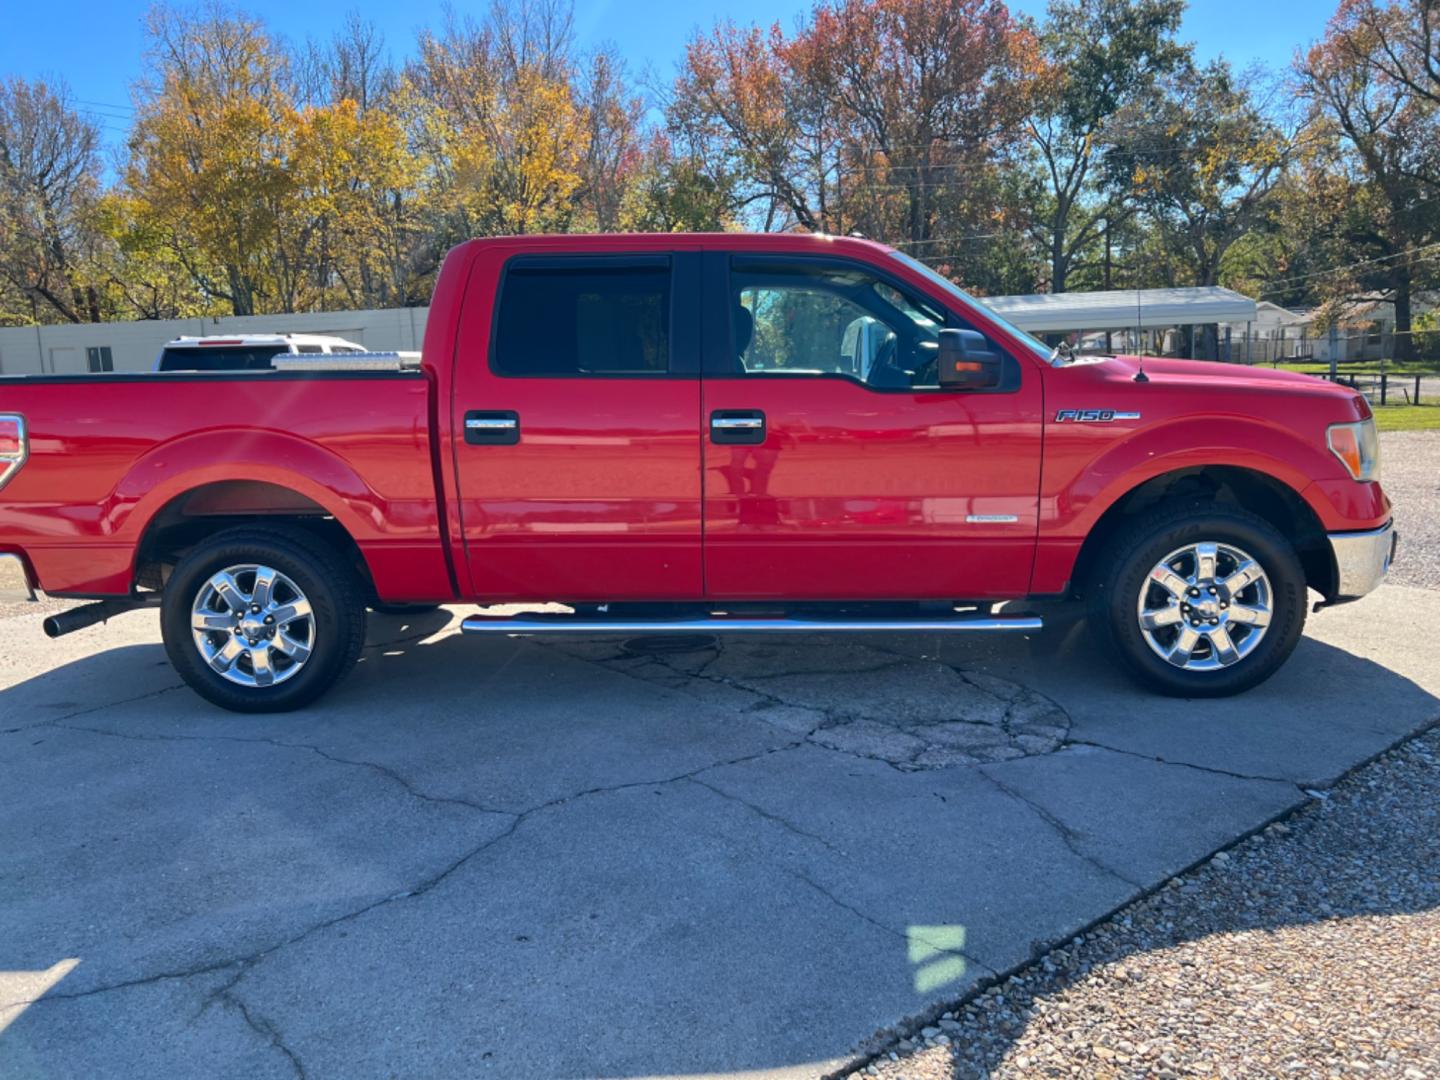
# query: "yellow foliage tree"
208, 152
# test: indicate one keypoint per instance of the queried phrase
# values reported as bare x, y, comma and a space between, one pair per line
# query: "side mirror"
967, 361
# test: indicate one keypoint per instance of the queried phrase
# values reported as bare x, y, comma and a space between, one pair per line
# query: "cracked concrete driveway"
521, 859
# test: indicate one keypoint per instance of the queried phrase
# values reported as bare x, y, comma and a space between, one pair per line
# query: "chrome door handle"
494, 428
732, 427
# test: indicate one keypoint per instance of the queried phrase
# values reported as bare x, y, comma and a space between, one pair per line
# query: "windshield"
969, 303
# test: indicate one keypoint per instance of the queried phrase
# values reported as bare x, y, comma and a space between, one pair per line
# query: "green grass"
1362, 367
1408, 417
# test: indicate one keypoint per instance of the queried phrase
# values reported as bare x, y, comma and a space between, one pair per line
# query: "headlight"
1357, 446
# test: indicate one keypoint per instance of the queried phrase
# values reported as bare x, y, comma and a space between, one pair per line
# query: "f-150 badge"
1093, 416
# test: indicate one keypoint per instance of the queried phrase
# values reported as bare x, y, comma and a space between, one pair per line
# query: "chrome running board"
562, 623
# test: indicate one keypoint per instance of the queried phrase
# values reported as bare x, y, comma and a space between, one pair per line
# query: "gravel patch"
1410, 473
36, 609
45, 605
1312, 949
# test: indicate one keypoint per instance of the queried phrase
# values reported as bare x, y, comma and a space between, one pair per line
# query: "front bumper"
15, 583
1362, 559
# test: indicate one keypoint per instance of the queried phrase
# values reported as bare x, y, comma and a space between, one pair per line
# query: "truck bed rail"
366, 361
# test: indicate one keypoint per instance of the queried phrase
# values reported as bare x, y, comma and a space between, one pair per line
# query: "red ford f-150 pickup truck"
742, 433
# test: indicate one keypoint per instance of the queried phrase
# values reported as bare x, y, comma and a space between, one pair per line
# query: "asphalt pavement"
521, 859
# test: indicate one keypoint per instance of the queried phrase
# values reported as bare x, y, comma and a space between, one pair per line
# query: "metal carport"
1132, 309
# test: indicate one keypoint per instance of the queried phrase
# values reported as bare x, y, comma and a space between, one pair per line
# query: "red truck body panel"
107, 455
615, 492
858, 495
1253, 421
600, 497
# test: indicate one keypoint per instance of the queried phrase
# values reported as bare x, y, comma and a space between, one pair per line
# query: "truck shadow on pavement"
539, 859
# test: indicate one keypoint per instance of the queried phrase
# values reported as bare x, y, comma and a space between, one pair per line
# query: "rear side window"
221, 358
609, 318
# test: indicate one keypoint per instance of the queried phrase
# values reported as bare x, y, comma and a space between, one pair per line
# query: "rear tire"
1198, 600
262, 620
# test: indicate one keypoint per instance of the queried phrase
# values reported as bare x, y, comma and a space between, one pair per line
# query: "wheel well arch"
1249, 489
200, 512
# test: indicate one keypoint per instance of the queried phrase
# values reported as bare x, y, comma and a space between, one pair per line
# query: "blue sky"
96, 44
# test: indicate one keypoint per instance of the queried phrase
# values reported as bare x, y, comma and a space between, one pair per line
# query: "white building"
133, 346
1276, 333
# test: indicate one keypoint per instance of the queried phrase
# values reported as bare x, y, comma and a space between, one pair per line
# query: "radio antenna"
1140, 375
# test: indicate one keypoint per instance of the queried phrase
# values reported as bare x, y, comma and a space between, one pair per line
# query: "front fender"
1184, 443
1087, 470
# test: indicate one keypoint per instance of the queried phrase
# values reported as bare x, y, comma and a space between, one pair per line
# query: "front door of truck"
577, 392
835, 465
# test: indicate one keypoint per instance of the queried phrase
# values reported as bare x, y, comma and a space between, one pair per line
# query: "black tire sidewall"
339, 618
1133, 555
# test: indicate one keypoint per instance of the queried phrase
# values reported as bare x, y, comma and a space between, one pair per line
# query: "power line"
949, 239
104, 105
1349, 266
106, 115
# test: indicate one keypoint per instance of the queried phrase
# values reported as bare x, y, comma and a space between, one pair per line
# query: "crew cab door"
835, 465
576, 418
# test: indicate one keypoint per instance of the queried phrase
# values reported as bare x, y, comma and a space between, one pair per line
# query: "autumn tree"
137, 265
352, 210
520, 134
887, 117
1371, 96
735, 108
352, 66
1399, 40
614, 140
49, 184
1099, 56
1199, 154
208, 153
676, 192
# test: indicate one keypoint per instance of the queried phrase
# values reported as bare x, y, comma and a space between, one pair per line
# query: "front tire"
1199, 600
262, 620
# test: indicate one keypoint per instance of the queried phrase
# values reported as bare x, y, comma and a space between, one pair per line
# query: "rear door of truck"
576, 397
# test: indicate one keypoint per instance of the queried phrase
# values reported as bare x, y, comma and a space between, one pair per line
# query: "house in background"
1365, 328
1276, 333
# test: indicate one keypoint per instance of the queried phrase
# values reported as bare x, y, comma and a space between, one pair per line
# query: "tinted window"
830, 319
221, 358
610, 320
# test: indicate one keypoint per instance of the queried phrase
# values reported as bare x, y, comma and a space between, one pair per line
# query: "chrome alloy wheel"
1205, 606
253, 625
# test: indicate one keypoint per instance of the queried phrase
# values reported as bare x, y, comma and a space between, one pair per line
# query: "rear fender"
170, 470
